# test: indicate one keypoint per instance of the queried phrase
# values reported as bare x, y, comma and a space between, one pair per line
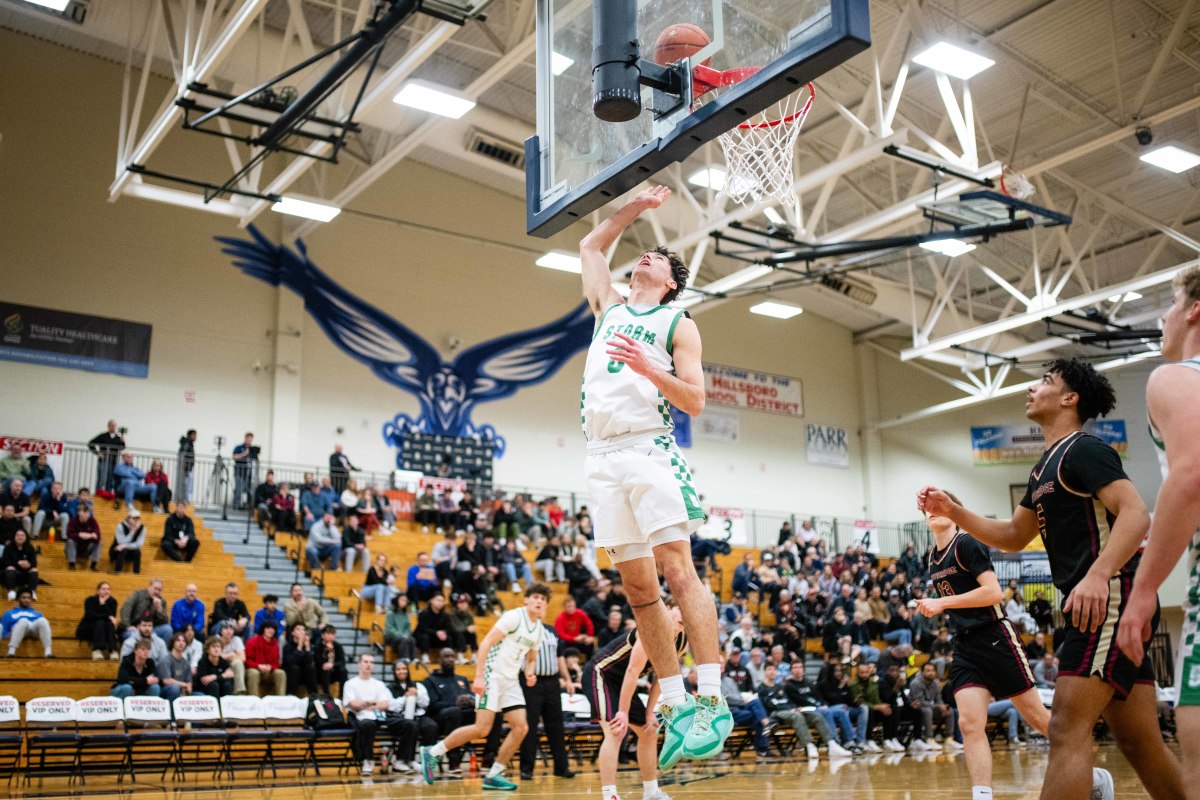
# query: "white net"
1014, 183
759, 152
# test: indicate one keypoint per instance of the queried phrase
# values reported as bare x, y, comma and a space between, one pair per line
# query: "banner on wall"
36, 447
753, 391
718, 425
54, 338
1023, 444
827, 445
729, 522
866, 533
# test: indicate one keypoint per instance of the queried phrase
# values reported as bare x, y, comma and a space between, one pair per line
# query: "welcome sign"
753, 391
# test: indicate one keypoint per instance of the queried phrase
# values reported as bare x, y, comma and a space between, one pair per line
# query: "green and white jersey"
507, 657
1159, 445
615, 402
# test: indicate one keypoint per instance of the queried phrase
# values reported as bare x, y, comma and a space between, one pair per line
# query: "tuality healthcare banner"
55, 338
1023, 444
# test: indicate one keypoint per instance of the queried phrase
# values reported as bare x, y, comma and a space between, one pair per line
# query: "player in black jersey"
1092, 522
610, 681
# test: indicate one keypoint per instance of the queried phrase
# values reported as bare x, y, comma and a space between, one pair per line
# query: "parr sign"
754, 391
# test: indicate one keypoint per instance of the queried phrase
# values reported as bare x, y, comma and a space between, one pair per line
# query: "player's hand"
627, 350
619, 724
477, 685
653, 197
1135, 625
932, 500
930, 606
1088, 603
530, 678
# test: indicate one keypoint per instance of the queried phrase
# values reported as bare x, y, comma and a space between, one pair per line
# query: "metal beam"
1164, 54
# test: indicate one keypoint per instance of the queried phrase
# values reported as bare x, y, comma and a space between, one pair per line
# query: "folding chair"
284, 716
103, 741
152, 741
51, 738
11, 740
247, 740
333, 744
201, 735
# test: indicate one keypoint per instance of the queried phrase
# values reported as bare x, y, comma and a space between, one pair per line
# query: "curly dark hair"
679, 273
1096, 395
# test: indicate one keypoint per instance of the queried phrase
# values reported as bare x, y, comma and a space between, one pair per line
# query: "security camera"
1144, 135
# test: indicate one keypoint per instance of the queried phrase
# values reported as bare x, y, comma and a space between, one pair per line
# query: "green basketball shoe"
675, 722
711, 726
498, 782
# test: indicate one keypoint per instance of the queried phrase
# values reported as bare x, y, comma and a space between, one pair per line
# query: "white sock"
497, 769
981, 793
438, 749
608, 792
648, 789
708, 680
672, 690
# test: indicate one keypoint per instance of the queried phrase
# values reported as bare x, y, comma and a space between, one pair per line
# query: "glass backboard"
576, 163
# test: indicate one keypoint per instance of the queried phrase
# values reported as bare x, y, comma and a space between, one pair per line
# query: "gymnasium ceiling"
1072, 81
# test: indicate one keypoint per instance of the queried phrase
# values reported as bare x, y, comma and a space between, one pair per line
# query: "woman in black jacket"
213, 676
99, 623
19, 564
298, 661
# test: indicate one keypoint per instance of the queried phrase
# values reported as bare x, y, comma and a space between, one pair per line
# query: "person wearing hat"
127, 543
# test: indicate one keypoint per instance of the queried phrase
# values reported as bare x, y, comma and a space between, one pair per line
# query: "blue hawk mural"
447, 392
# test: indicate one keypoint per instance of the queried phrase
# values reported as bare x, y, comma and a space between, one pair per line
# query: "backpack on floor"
324, 713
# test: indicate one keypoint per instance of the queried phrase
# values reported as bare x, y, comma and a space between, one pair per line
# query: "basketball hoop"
1014, 183
759, 153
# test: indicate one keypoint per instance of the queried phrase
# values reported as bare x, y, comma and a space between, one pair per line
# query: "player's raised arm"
1005, 534
593, 250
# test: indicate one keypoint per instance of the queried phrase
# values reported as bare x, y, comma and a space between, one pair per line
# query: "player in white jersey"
644, 359
509, 649
1174, 409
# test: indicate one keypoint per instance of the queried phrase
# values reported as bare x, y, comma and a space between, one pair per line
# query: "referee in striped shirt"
543, 701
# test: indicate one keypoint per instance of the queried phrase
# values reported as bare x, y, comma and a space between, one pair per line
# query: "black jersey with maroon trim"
955, 570
613, 658
1073, 523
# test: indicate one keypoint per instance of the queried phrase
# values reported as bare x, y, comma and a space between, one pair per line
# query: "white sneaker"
953, 746
918, 746
368, 767
1015, 742
34, 595
892, 746
811, 751
1102, 784
400, 766
932, 744
415, 765
659, 794
837, 751
871, 747
12, 595
441, 529
425, 529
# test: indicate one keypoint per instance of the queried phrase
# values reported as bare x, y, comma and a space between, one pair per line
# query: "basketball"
679, 41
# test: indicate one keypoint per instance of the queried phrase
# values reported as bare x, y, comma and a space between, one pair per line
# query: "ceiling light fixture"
708, 178
294, 206
1129, 296
435, 99
53, 5
769, 308
564, 262
1172, 158
948, 247
952, 60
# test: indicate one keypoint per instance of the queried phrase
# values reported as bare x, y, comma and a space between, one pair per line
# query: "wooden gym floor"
1017, 774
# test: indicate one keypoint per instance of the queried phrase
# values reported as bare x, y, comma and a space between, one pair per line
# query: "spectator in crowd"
330, 660
187, 611
233, 650
162, 490
131, 482
340, 469
298, 608
298, 662
1005, 710
270, 611
768, 580
368, 699
332, 498
194, 648
1045, 671
313, 505
179, 541
910, 564
186, 460
468, 510
749, 712
264, 493
575, 629
15, 497
1015, 611
127, 542
379, 586
411, 701
941, 652
462, 627
425, 511
354, 543
213, 675
99, 624
230, 607
548, 561
433, 628
756, 666
733, 613
145, 629
423, 582
447, 513
398, 630
742, 639
744, 578
891, 692
783, 710
245, 464
14, 466
896, 654
834, 687
324, 541
143, 603
19, 564
899, 627
859, 632
52, 506
1012, 590
41, 477
107, 446
1042, 611
82, 498
137, 675
175, 673
83, 538
281, 509
516, 569
929, 709
878, 613
444, 556
23, 621
1036, 648
263, 662
451, 702
614, 627
864, 690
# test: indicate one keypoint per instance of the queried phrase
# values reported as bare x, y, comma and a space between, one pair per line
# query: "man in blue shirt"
422, 580
244, 457
313, 505
23, 620
131, 481
83, 498
269, 611
188, 610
